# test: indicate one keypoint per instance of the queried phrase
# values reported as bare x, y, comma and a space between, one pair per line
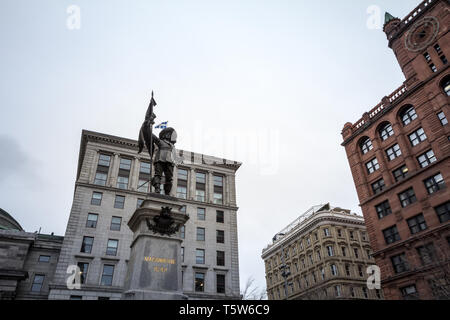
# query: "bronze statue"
166, 157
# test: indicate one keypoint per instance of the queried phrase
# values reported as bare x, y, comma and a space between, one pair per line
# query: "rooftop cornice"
129, 143
398, 97
311, 223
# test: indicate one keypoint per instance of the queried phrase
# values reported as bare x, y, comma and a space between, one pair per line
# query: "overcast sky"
266, 83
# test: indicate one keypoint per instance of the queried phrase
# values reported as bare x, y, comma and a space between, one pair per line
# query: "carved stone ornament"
163, 224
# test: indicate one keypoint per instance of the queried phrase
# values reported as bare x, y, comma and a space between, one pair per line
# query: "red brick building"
399, 158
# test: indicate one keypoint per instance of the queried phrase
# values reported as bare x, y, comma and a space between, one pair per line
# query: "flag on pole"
162, 125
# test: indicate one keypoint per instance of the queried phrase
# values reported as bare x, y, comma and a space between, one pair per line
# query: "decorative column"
209, 188
191, 186
114, 171
134, 174
93, 168
173, 192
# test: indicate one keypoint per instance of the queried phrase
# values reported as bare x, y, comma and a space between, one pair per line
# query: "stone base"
153, 295
154, 268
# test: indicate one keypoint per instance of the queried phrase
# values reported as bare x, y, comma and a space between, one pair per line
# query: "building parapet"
306, 218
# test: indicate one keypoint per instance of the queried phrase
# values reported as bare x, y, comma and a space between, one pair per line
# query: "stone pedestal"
154, 268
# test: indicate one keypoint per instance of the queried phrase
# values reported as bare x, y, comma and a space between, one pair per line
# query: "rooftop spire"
388, 17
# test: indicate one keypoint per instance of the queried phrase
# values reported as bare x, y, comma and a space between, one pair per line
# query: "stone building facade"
399, 158
322, 255
111, 184
27, 261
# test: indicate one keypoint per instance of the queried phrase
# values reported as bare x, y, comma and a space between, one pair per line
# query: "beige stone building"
324, 254
110, 184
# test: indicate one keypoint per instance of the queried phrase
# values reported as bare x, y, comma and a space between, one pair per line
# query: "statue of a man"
166, 157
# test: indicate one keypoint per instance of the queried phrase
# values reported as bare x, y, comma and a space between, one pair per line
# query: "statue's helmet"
168, 134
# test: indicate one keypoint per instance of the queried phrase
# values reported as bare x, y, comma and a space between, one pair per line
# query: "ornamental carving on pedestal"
163, 224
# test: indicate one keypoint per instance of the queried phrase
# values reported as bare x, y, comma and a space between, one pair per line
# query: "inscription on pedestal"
159, 268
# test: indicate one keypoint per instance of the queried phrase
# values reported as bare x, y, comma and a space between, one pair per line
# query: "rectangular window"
182, 254
200, 256
119, 202
220, 279
219, 216
326, 232
182, 183
434, 183
372, 165
417, 137
107, 275
427, 253
199, 282
218, 189
111, 249
391, 235
200, 234
438, 48
96, 198
427, 56
102, 170
201, 215
400, 173
334, 270
91, 221
378, 186
44, 258
220, 258
407, 197
409, 292
426, 159
38, 281
442, 118
344, 251
220, 236
400, 263
433, 67
355, 250
124, 173
116, 222
365, 293
443, 59
443, 212
182, 232
84, 267
144, 177
393, 152
417, 224
330, 251
347, 270
200, 186
86, 245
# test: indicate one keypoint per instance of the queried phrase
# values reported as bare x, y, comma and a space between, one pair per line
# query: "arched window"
446, 85
386, 131
408, 115
365, 145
